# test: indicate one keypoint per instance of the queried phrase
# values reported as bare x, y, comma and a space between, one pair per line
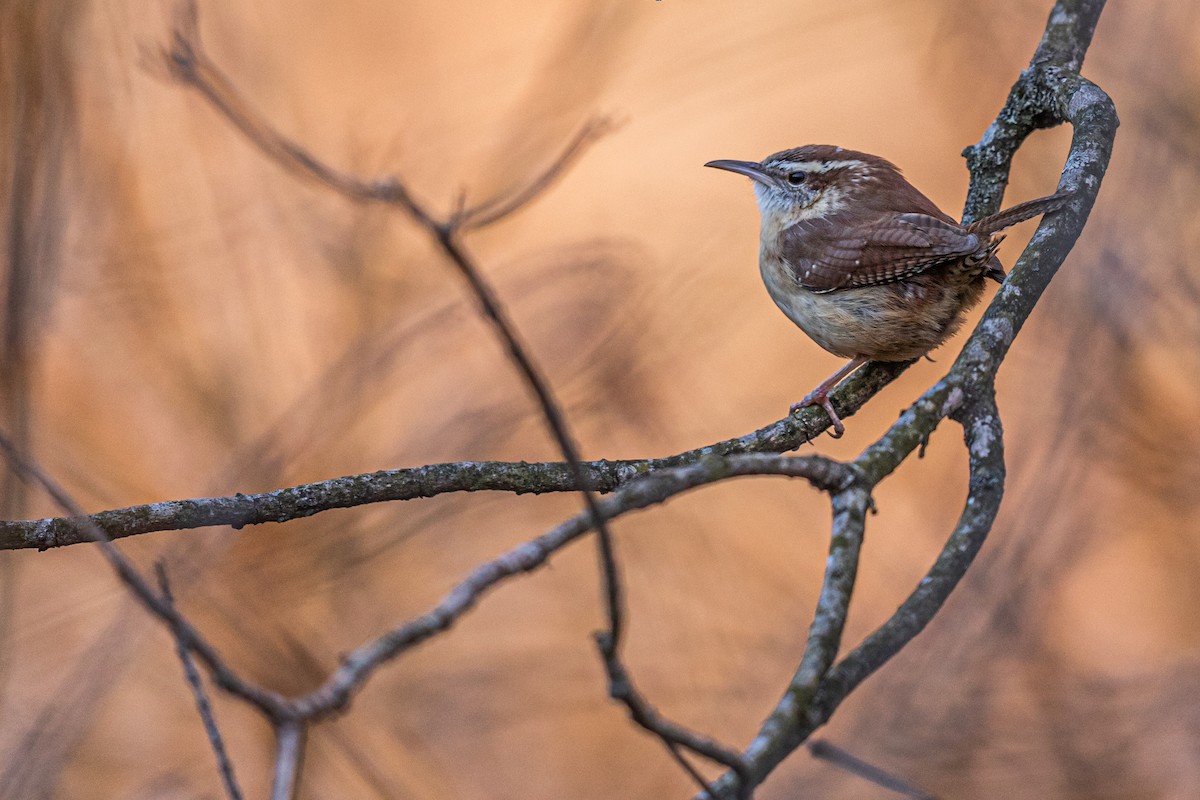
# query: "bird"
863, 262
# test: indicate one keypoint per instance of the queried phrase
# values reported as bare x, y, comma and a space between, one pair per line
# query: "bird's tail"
1019, 213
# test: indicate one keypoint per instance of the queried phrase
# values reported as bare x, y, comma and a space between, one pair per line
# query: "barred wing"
828, 255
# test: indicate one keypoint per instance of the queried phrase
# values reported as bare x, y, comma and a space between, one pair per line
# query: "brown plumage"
863, 262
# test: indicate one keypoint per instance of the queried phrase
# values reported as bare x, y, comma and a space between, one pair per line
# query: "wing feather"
827, 255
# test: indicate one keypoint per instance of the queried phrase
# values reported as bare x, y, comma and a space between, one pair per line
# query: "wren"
863, 262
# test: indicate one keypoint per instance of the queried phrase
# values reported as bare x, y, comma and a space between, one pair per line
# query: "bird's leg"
820, 396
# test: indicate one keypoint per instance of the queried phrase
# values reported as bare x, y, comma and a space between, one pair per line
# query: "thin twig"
270, 703
621, 688
496, 209
203, 706
676, 753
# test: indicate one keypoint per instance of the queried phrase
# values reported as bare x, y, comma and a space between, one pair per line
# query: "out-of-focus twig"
203, 706
496, 209
270, 703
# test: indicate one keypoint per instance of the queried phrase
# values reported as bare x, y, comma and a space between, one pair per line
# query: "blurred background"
183, 318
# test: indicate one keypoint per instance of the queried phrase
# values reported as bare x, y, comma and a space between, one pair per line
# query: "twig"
203, 706
498, 208
270, 703
1049, 92
687, 766
674, 736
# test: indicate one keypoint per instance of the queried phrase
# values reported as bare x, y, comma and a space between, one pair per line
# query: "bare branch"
308, 499
654, 488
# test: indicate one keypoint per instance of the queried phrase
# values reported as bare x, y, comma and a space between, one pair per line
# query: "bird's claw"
821, 399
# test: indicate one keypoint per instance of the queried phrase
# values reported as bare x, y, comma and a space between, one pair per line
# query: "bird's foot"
821, 398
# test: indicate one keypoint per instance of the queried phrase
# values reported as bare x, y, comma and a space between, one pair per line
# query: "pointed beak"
751, 169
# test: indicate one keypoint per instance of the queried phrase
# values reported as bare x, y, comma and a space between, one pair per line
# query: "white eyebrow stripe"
822, 166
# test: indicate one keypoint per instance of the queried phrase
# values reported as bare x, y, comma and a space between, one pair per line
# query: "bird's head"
813, 181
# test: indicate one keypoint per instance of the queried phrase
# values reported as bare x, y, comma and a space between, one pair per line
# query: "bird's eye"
797, 178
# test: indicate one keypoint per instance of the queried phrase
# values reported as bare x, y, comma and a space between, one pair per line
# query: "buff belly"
889, 322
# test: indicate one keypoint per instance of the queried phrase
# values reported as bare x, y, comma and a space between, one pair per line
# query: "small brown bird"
863, 262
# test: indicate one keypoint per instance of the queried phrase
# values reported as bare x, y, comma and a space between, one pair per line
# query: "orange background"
205, 323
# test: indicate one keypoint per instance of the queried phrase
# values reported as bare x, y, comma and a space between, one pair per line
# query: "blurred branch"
496, 209
203, 706
268, 702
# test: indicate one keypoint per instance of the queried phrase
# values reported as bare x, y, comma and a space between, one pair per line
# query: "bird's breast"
888, 322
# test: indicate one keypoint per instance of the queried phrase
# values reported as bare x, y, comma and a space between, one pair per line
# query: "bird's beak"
751, 169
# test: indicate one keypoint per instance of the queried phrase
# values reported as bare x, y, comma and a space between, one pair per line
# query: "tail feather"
1019, 213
